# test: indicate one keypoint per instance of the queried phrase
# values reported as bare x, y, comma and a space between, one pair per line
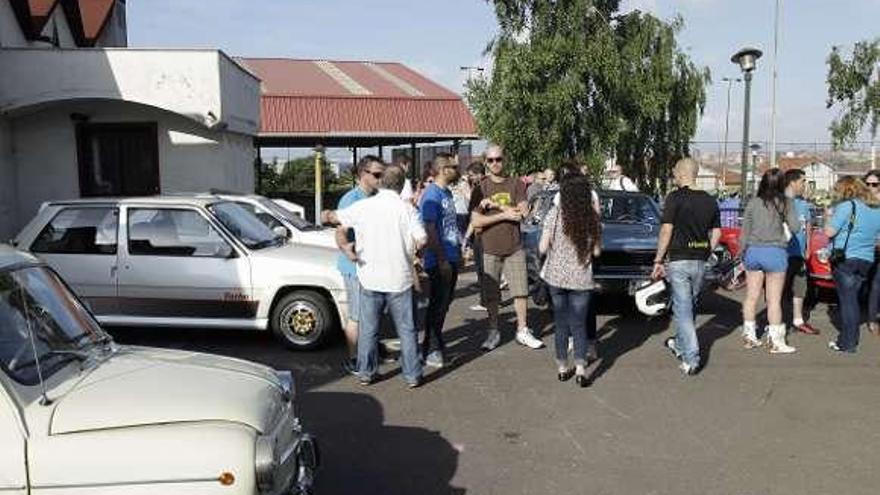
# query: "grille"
626, 258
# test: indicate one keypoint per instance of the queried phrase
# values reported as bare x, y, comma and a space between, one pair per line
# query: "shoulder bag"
838, 255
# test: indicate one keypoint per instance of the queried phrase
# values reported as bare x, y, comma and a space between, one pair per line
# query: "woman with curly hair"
854, 227
570, 239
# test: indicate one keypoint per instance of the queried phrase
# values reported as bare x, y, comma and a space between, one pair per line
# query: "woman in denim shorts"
765, 235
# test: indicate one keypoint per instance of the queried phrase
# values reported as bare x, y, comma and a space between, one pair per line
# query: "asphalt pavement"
501, 423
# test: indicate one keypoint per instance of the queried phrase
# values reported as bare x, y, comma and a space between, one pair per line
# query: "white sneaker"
524, 336
492, 340
750, 338
434, 360
688, 369
570, 345
478, 307
776, 337
670, 344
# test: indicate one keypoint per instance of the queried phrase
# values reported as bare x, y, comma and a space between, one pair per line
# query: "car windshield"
297, 221
34, 299
629, 208
244, 225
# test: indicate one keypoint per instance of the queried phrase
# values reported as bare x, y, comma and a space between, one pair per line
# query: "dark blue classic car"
630, 229
630, 232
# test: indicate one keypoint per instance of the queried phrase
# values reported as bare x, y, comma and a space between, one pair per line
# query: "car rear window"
80, 230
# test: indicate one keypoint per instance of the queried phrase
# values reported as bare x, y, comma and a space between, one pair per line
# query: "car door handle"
113, 270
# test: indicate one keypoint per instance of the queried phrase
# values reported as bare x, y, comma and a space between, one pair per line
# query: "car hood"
303, 253
323, 238
629, 237
142, 386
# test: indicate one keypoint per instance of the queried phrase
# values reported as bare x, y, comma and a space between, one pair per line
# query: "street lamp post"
729, 82
746, 59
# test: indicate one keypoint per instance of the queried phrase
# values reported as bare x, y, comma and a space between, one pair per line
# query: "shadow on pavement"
365, 456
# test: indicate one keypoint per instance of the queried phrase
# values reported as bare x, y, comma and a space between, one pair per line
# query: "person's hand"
513, 214
326, 216
349, 252
488, 204
659, 271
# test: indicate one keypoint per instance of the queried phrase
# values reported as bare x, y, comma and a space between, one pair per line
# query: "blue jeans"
570, 310
686, 281
849, 277
400, 306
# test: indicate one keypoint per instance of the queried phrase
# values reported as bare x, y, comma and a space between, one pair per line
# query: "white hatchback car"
274, 215
82, 415
189, 261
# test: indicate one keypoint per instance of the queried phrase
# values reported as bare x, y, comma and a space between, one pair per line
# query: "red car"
818, 266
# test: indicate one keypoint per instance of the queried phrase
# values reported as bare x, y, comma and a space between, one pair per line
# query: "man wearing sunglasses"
369, 172
498, 206
442, 254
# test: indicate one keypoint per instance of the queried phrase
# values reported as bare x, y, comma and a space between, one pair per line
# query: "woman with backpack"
570, 239
768, 222
854, 227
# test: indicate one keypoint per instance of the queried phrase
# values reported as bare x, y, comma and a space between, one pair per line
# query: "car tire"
302, 320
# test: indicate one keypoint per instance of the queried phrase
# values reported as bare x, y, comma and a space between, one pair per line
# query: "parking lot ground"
501, 423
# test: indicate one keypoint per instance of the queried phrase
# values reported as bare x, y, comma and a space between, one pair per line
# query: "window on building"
81, 230
173, 232
118, 159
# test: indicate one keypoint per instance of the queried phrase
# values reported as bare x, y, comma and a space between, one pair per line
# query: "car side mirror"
225, 251
281, 231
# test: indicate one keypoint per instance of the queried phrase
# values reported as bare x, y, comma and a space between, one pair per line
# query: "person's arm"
547, 231
791, 216
329, 217
344, 245
746, 229
839, 219
431, 214
663, 241
714, 239
481, 220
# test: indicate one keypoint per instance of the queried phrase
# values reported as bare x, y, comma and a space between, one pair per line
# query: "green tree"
298, 175
576, 79
661, 99
854, 86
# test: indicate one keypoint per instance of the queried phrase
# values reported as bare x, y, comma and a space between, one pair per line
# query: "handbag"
838, 255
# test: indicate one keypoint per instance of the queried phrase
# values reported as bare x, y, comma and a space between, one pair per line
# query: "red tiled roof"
356, 99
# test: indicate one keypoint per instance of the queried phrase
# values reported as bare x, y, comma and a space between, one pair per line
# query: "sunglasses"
873, 184
377, 175
494, 160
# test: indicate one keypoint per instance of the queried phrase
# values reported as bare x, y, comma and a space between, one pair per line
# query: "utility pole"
773, 88
729, 82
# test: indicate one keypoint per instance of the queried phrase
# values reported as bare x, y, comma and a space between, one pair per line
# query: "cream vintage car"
81, 415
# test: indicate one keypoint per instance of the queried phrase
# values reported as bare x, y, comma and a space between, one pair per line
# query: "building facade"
82, 115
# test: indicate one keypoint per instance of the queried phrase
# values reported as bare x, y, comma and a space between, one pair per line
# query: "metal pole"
259, 171
745, 144
873, 156
773, 89
726, 129
354, 163
319, 157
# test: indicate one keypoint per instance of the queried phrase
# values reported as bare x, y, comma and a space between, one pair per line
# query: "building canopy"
306, 103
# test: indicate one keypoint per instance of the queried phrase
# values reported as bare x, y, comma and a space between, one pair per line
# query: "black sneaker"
670, 344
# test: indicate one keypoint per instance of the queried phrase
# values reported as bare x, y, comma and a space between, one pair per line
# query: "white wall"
201, 84
8, 196
191, 158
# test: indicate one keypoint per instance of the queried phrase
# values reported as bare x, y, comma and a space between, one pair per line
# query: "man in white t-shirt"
388, 233
616, 181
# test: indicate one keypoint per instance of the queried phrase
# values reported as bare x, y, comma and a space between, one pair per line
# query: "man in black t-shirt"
690, 231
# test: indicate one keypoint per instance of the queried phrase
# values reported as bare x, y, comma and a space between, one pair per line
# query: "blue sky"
437, 38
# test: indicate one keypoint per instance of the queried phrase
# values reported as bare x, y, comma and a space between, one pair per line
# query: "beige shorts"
514, 269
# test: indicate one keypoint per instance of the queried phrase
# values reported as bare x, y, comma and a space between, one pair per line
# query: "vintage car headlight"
288, 388
823, 255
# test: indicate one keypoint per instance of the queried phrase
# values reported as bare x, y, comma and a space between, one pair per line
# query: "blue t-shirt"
798, 244
343, 264
437, 206
866, 228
